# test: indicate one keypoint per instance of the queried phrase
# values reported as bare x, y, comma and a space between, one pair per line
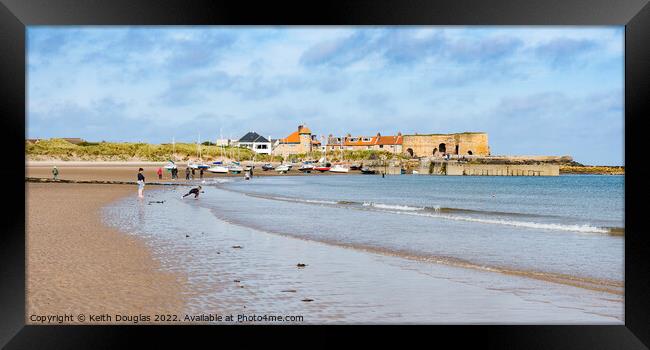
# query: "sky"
534, 90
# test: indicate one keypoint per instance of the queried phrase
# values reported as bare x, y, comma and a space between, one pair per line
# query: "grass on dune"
123, 151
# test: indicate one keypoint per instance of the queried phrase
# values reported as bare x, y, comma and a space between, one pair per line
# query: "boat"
339, 168
218, 168
322, 168
235, 168
283, 168
306, 167
355, 167
200, 164
415, 172
367, 171
170, 164
267, 167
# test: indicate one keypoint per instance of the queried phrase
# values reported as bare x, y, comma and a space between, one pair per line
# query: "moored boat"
322, 168
267, 167
235, 168
283, 168
218, 168
306, 167
339, 168
367, 171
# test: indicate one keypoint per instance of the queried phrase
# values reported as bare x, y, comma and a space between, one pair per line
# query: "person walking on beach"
159, 172
251, 171
193, 173
187, 173
55, 173
201, 173
140, 183
195, 191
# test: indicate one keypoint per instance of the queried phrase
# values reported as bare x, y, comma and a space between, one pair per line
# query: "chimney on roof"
399, 133
378, 134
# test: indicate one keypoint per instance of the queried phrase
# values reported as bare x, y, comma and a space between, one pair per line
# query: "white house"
255, 142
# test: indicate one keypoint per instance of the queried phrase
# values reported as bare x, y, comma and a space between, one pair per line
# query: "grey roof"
253, 137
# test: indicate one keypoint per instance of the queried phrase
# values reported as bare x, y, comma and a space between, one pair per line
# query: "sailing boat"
219, 167
200, 164
171, 165
323, 165
340, 168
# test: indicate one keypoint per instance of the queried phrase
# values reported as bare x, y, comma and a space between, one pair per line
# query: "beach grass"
124, 151
137, 151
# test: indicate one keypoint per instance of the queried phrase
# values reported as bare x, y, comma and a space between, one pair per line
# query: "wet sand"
77, 265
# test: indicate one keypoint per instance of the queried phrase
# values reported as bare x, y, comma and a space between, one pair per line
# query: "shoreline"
172, 283
76, 264
232, 279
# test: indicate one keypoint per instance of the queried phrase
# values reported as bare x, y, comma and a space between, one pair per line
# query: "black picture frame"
16, 15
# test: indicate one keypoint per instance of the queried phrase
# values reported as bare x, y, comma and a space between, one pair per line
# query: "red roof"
375, 140
295, 136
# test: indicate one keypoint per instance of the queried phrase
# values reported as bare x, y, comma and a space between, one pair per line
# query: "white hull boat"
218, 169
282, 168
339, 169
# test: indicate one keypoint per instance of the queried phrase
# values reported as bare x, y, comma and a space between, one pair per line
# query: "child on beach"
195, 191
159, 172
140, 183
187, 173
55, 173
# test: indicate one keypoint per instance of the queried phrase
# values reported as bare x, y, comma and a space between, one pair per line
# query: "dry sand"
77, 265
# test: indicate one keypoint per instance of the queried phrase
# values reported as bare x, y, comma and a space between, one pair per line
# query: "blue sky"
535, 90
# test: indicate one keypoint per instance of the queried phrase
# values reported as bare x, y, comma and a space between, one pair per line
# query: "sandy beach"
77, 265
93, 250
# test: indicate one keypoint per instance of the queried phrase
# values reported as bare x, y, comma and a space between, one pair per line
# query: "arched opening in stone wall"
469, 152
435, 150
456, 149
410, 151
442, 147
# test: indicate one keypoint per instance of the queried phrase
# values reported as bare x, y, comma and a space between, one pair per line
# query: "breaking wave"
471, 215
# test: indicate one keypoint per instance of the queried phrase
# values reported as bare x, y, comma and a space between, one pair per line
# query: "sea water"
395, 249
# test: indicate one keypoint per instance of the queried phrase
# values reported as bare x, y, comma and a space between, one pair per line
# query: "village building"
378, 142
440, 145
224, 142
299, 142
255, 142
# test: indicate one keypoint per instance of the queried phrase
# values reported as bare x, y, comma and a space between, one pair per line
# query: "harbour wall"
460, 169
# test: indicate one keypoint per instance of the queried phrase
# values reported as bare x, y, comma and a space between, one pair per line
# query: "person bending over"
195, 191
